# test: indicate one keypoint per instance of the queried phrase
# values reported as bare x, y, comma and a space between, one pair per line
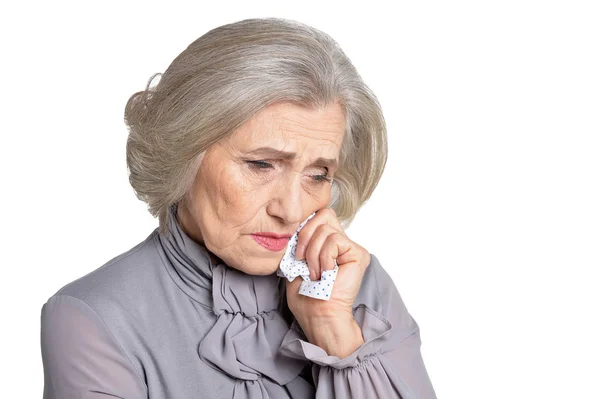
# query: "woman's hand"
320, 242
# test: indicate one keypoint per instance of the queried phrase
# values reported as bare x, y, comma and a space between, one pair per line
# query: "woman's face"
242, 190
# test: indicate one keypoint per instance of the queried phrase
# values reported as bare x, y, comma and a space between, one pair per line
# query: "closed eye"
260, 164
324, 178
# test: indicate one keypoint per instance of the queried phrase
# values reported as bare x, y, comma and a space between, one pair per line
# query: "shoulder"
118, 280
79, 350
101, 315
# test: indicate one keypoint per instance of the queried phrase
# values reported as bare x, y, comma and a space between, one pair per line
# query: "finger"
330, 250
331, 217
305, 234
323, 216
357, 254
313, 250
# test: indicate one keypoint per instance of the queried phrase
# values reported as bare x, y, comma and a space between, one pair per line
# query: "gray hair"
225, 77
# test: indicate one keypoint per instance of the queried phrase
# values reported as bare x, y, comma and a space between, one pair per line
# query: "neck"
192, 229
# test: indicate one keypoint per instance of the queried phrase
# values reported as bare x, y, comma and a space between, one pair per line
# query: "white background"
487, 216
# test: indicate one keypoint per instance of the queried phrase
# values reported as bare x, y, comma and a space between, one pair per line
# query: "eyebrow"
270, 151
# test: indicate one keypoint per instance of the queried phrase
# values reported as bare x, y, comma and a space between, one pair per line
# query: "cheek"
230, 195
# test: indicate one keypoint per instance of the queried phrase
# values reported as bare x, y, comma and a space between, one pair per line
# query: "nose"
286, 200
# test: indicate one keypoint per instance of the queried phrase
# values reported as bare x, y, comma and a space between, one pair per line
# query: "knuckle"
336, 236
321, 228
327, 263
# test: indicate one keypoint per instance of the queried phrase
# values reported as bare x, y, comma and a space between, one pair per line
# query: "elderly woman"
259, 142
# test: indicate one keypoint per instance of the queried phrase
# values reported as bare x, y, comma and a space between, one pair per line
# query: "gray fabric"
148, 324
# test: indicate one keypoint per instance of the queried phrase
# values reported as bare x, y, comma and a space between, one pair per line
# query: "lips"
277, 243
273, 235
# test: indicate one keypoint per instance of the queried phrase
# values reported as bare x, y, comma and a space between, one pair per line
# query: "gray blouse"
163, 321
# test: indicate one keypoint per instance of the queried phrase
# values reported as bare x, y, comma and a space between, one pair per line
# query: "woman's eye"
321, 178
260, 164
324, 178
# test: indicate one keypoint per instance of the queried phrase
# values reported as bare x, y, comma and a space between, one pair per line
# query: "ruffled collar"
188, 263
252, 318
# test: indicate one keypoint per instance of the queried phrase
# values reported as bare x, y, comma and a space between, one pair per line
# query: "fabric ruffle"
244, 342
365, 373
375, 330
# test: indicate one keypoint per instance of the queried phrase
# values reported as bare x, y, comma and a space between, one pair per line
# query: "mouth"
272, 243
273, 235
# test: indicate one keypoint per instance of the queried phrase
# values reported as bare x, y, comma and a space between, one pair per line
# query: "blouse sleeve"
80, 357
387, 365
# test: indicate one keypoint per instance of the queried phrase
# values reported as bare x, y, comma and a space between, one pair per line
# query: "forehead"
295, 125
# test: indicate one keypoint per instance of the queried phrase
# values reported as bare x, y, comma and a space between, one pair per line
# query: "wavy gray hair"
225, 77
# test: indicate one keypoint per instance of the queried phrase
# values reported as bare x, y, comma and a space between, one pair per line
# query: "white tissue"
290, 268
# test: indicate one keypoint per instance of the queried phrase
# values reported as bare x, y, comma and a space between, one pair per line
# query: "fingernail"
312, 275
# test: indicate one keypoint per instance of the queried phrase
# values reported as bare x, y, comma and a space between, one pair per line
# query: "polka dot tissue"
291, 268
